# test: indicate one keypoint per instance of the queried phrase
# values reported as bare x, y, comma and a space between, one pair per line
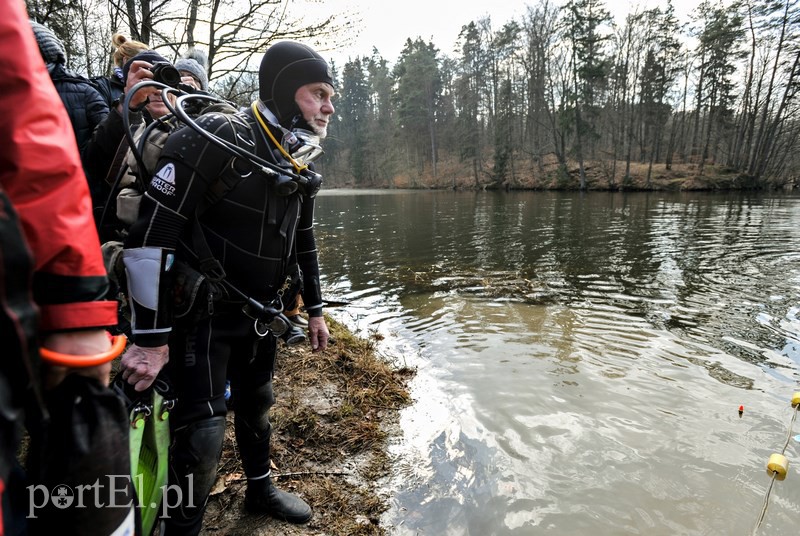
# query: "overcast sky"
387, 25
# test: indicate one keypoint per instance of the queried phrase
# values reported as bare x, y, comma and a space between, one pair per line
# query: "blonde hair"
125, 49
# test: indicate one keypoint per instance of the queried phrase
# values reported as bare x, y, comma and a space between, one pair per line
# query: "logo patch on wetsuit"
164, 180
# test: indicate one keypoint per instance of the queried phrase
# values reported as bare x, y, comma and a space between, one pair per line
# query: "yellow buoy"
778, 465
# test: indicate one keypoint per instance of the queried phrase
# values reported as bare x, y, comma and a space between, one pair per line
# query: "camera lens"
166, 73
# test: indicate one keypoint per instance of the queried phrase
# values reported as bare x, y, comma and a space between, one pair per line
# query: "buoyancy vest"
251, 229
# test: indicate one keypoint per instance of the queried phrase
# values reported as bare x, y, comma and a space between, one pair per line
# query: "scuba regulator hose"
185, 94
137, 151
265, 166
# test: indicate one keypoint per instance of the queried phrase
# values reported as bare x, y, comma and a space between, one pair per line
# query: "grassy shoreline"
334, 414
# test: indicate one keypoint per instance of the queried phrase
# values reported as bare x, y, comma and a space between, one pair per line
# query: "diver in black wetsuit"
259, 232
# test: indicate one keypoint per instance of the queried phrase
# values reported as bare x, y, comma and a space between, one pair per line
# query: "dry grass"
334, 413
547, 174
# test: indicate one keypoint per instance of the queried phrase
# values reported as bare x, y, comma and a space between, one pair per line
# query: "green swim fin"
149, 448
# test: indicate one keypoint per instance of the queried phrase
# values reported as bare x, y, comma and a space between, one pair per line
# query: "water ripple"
580, 358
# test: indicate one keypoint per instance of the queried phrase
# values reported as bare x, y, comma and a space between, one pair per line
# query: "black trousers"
202, 357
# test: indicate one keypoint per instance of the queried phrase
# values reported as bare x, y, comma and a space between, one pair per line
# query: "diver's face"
314, 101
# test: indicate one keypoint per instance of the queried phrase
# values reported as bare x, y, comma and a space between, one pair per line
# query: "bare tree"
786, 20
539, 31
233, 33
582, 23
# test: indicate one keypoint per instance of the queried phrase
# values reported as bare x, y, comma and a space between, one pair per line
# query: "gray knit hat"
50, 46
195, 62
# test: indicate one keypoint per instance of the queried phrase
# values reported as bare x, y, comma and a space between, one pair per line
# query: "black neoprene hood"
285, 67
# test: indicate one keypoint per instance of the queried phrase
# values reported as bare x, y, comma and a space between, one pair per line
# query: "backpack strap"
113, 176
112, 195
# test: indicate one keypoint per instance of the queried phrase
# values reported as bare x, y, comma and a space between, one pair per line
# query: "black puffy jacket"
84, 103
110, 87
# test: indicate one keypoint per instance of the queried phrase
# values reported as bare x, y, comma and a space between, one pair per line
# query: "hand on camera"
139, 72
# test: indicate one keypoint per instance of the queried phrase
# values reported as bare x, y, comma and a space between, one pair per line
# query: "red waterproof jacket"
40, 171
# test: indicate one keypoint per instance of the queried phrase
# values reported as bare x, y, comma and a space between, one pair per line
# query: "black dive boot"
262, 497
253, 432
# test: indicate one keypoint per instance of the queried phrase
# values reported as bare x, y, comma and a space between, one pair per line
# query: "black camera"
166, 73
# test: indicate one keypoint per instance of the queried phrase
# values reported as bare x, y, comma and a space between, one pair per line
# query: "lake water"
581, 358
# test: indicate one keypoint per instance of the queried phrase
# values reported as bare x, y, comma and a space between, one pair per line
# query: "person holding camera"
257, 225
113, 85
107, 153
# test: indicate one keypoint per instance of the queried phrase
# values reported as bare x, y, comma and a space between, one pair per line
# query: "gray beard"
321, 132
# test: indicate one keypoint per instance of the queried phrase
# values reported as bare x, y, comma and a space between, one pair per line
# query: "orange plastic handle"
118, 343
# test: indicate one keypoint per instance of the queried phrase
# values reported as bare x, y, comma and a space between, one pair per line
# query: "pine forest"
565, 97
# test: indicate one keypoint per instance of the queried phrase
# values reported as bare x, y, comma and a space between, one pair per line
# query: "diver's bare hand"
318, 333
140, 365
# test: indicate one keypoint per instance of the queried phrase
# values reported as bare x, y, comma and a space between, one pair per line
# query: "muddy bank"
334, 414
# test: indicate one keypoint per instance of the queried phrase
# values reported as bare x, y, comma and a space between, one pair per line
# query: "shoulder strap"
236, 171
112, 195
117, 163
207, 263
